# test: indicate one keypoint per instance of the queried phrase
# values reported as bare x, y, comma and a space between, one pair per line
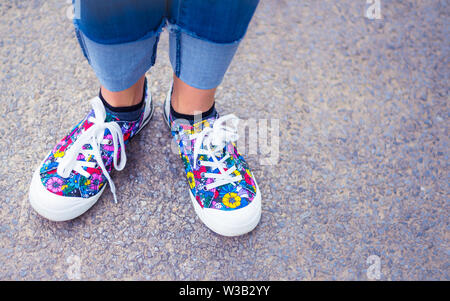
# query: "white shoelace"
94, 136
210, 142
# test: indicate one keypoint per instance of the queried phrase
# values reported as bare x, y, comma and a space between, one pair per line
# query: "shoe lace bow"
94, 136
212, 142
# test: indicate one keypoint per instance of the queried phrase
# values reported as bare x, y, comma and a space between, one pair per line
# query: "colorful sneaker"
223, 190
74, 174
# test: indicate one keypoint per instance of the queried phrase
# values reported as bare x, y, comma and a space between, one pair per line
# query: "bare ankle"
189, 100
125, 98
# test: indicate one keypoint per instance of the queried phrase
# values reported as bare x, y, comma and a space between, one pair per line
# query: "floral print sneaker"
223, 190
74, 174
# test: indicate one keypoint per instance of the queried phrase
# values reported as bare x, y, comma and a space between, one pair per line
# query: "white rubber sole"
231, 223
55, 207
59, 208
226, 223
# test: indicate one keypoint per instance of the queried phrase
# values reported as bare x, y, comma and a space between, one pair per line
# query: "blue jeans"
120, 37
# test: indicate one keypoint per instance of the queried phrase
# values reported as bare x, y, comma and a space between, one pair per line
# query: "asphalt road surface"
355, 179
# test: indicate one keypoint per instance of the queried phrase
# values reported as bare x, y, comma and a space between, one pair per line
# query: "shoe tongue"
110, 117
207, 122
188, 128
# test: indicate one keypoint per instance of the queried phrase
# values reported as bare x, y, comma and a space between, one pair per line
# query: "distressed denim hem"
120, 66
198, 62
176, 28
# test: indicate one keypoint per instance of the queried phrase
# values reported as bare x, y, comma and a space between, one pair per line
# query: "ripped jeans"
120, 37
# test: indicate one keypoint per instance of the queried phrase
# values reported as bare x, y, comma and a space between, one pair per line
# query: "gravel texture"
362, 107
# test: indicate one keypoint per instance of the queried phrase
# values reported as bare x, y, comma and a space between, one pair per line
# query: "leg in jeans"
204, 36
119, 40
